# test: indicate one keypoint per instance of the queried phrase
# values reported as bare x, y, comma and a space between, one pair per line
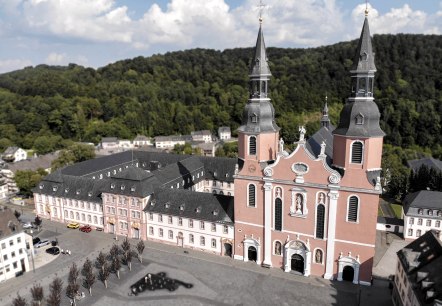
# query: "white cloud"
55, 58
13, 64
399, 20
97, 20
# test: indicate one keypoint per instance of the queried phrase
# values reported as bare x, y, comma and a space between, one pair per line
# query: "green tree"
26, 180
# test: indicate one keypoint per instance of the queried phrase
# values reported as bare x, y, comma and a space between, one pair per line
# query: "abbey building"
311, 211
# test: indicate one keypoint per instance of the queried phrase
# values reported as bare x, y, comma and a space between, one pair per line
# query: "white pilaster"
267, 224
332, 210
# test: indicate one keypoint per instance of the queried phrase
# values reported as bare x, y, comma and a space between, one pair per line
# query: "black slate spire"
364, 57
260, 66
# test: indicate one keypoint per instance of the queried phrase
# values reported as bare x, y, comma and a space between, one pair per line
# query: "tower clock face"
252, 168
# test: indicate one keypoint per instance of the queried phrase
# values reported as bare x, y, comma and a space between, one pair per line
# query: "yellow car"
73, 225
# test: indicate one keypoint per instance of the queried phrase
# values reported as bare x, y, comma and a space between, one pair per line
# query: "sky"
94, 33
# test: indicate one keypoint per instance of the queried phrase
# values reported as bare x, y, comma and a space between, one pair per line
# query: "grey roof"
430, 162
223, 129
43, 161
133, 174
203, 132
194, 205
174, 138
109, 139
364, 57
260, 66
265, 113
72, 187
424, 200
314, 142
182, 170
10, 150
370, 126
9, 224
219, 168
422, 262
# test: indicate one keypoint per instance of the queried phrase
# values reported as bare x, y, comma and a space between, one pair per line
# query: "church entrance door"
251, 254
298, 263
348, 273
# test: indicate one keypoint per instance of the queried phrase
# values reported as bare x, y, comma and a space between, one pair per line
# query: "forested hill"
198, 89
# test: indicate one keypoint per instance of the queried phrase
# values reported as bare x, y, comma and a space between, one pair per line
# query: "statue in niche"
278, 192
318, 256
299, 204
277, 248
321, 198
281, 145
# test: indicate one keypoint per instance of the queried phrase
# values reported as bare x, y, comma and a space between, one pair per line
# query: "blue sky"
94, 33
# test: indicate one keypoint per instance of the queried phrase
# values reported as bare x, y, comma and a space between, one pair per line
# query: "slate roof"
391, 221
73, 187
9, 224
178, 171
194, 205
425, 200
219, 168
364, 49
43, 161
11, 150
224, 129
173, 138
422, 262
430, 162
314, 142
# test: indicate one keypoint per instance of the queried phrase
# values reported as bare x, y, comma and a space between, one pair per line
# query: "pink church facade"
312, 211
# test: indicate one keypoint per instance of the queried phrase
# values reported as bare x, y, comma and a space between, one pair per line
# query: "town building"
422, 211
14, 154
141, 141
312, 211
224, 133
418, 278
15, 246
204, 136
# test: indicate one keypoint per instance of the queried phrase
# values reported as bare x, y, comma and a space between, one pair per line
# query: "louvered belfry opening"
252, 195
356, 153
278, 214
252, 145
320, 215
353, 209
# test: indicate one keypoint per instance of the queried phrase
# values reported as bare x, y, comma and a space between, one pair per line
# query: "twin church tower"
312, 211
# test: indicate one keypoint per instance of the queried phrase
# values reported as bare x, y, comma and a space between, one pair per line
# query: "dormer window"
359, 119
122, 187
364, 56
66, 190
132, 188
215, 212
167, 205
420, 211
89, 193
198, 209
430, 212
112, 185
153, 203
54, 188
41, 186
254, 118
78, 191
182, 207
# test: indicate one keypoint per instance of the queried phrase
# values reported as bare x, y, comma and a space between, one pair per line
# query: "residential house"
14, 154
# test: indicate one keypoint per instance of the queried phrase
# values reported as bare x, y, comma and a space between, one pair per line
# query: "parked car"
100, 229
35, 240
73, 225
53, 251
86, 228
27, 225
42, 243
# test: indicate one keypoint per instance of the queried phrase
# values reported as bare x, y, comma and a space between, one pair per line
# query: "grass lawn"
397, 210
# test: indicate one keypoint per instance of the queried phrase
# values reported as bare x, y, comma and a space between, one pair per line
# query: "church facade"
311, 211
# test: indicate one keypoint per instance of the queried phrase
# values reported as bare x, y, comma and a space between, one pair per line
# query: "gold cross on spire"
366, 7
261, 8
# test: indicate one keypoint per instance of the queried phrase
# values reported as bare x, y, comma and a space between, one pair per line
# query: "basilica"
311, 211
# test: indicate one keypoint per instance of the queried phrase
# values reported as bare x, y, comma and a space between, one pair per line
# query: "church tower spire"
259, 134
325, 120
359, 130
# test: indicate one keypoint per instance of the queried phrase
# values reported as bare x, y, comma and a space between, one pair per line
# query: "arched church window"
252, 195
278, 214
319, 255
252, 145
278, 248
320, 218
353, 206
356, 152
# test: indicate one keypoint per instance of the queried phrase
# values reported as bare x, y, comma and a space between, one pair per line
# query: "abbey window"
252, 145
357, 150
251, 196
353, 209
